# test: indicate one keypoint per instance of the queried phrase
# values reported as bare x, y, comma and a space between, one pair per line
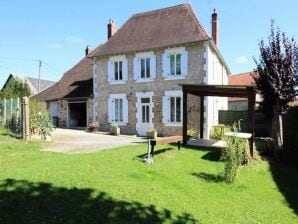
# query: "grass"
115, 186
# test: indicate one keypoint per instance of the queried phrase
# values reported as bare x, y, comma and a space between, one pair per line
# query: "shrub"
191, 133
92, 127
235, 154
217, 132
152, 133
39, 119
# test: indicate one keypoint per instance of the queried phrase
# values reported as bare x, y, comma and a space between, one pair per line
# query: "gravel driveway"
79, 141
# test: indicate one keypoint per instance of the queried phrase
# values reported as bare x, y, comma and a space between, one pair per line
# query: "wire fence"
11, 114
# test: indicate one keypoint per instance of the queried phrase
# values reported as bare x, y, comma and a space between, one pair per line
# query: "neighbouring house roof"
77, 82
32, 82
245, 78
155, 29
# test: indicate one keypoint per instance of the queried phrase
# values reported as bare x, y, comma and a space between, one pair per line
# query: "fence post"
26, 134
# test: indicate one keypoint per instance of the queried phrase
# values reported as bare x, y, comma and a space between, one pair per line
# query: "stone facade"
196, 72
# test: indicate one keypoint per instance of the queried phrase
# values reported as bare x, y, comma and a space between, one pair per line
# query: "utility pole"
39, 71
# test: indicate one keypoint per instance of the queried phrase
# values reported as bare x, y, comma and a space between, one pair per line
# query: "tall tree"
15, 88
275, 77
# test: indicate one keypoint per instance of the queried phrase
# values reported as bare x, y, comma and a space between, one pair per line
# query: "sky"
58, 31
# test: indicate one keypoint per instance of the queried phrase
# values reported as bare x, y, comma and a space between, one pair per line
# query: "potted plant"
191, 133
92, 127
115, 130
152, 133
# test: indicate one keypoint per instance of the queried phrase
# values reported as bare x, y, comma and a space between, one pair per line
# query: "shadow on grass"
286, 179
156, 152
22, 201
208, 177
11, 135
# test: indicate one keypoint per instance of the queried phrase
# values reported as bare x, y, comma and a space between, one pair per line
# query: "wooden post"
184, 125
4, 113
26, 134
251, 117
202, 117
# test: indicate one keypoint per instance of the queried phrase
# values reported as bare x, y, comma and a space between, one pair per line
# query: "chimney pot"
87, 50
112, 29
215, 27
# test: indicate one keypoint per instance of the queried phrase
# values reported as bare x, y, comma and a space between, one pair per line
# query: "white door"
144, 115
54, 109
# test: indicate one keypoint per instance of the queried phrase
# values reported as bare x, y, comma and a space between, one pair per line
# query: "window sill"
173, 124
118, 123
144, 80
117, 82
175, 77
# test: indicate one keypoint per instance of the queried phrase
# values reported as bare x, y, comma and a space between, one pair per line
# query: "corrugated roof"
154, 29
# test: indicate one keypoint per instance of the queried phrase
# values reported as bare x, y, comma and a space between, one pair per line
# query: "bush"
115, 130
217, 132
39, 119
235, 154
191, 133
152, 133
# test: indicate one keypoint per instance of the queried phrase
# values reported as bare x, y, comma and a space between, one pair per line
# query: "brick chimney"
215, 27
112, 29
87, 50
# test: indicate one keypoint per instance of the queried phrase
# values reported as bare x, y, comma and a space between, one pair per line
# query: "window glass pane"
116, 70
178, 64
148, 68
142, 68
120, 70
143, 114
178, 109
172, 63
147, 114
121, 110
172, 109
116, 110
145, 100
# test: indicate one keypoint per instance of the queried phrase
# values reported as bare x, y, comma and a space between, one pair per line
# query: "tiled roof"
154, 29
241, 79
34, 84
75, 83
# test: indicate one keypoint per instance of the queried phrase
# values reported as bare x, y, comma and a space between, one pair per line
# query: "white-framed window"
175, 63
172, 108
118, 109
117, 69
144, 66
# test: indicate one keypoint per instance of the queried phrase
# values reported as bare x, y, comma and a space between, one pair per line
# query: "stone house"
137, 72
70, 100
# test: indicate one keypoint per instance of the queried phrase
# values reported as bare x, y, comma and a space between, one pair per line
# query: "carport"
221, 91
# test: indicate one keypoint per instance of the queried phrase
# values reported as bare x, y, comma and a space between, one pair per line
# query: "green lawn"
115, 186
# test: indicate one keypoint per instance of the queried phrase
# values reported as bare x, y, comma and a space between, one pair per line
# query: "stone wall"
195, 75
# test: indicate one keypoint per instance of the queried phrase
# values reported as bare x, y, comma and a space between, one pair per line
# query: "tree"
275, 77
15, 88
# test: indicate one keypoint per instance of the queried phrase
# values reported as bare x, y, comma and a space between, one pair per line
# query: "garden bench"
159, 141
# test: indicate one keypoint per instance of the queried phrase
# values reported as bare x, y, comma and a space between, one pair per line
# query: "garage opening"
77, 114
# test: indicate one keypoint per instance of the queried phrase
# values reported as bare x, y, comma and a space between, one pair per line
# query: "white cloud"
55, 46
241, 60
75, 40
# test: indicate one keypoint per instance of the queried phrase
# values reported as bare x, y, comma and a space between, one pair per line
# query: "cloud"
75, 40
55, 46
241, 60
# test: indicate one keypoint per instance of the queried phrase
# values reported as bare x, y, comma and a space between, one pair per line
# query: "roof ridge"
161, 9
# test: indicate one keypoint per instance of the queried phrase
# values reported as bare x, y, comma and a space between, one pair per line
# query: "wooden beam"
184, 124
251, 117
202, 117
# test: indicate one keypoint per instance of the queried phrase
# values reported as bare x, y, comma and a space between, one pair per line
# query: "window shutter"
136, 68
111, 110
165, 65
165, 109
153, 66
184, 63
110, 71
125, 69
125, 110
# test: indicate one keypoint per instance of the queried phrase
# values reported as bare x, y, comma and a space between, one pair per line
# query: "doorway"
144, 114
77, 114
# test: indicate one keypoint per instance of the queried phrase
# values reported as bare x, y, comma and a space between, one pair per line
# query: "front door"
144, 115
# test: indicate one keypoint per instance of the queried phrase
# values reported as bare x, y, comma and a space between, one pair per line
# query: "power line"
17, 59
